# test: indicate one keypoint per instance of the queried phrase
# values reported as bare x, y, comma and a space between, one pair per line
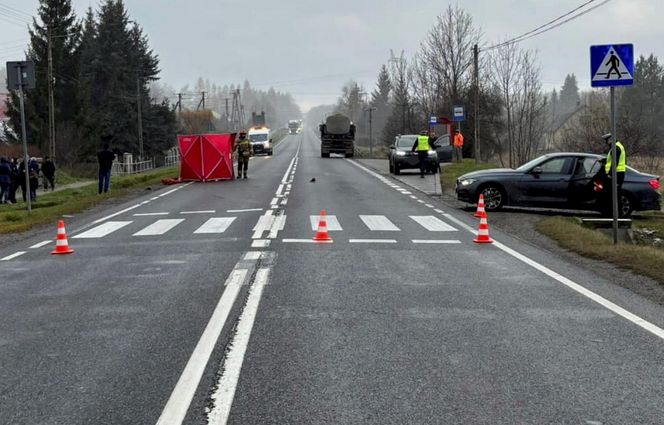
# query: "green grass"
644, 260
451, 172
379, 152
65, 176
51, 206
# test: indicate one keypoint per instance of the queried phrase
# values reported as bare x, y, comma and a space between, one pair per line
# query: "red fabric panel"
206, 157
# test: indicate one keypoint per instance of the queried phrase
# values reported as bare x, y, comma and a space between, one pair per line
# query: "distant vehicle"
294, 126
558, 180
402, 157
443, 148
337, 135
261, 140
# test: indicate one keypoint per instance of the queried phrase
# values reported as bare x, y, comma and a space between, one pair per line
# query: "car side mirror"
536, 171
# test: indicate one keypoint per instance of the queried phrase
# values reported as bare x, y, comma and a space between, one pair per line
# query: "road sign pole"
26, 164
614, 165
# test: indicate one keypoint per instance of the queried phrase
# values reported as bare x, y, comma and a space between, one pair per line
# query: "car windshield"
258, 137
406, 142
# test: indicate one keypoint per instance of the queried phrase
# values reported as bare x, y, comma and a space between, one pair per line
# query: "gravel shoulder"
520, 223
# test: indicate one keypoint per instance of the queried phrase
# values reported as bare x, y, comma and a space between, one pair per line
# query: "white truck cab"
261, 140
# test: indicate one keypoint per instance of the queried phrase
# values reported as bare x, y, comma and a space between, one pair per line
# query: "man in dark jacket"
5, 180
105, 158
48, 170
16, 180
33, 171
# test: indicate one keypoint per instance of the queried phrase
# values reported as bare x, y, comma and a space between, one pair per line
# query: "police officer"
422, 147
621, 167
243, 153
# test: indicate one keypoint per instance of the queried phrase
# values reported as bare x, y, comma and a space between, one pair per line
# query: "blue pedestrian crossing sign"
612, 65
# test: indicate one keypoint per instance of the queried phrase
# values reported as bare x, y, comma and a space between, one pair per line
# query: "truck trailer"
337, 135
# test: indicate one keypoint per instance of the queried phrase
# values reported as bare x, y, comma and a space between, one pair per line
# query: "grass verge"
51, 206
451, 172
571, 235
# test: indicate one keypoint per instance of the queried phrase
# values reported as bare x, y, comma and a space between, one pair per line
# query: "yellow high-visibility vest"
622, 161
423, 143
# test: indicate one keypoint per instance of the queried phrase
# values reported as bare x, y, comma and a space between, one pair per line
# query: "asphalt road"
208, 303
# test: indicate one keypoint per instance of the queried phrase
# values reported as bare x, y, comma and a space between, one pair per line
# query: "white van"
261, 140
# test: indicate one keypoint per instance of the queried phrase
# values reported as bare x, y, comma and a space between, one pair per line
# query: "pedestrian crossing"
152, 226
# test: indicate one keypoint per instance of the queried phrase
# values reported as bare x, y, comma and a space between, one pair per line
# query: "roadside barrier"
61, 244
483, 232
481, 211
322, 236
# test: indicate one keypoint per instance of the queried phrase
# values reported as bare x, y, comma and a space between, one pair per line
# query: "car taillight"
654, 183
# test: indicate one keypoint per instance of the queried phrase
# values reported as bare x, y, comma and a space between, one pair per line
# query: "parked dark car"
559, 180
401, 156
443, 148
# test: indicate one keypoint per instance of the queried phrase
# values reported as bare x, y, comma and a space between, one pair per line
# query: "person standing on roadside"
422, 146
244, 150
16, 177
33, 172
621, 168
5, 180
458, 145
105, 159
48, 170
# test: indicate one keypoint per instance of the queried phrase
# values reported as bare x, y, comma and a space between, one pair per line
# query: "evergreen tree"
57, 20
380, 99
569, 98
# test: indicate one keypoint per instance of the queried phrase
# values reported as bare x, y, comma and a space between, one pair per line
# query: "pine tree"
569, 99
57, 20
380, 99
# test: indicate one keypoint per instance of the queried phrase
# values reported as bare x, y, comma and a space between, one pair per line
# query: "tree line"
518, 119
102, 67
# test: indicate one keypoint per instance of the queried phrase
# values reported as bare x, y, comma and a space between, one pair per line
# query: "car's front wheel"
494, 197
391, 168
626, 205
397, 170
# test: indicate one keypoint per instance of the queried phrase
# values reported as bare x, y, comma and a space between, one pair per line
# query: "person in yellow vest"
422, 147
458, 145
621, 167
244, 150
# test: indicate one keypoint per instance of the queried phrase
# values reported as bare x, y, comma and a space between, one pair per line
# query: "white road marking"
260, 243
332, 223
434, 242
264, 223
379, 223
433, 224
103, 230
247, 210
252, 256
40, 244
215, 225
199, 212
14, 255
223, 397
428, 205
298, 241
372, 241
150, 214
420, 201
413, 197
180, 399
159, 227
642, 323
405, 192
280, 189
275, 201
278, 225
439, 211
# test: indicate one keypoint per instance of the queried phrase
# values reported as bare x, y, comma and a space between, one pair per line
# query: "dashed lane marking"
436, 242
40, 244
376, 241
260, 243
14, 255
150, 214
245, 210
199, 212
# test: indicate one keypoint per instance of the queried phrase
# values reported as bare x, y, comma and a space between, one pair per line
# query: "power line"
550, 25
14, 10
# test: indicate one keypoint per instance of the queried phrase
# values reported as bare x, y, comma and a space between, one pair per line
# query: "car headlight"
401, 153
467, 182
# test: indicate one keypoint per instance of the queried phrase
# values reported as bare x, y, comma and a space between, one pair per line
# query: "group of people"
12, 177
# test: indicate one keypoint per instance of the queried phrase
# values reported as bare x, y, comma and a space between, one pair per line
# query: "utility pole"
371, 109
179, 105
140, 118
26, 163
237, 112
51, 100
476, 55
202, 102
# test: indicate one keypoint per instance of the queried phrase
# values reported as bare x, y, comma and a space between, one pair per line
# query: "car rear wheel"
626, 205
494, 197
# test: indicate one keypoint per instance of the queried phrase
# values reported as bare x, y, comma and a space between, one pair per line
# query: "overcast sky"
311, 47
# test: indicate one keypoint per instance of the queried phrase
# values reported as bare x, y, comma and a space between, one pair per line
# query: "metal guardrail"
124, 168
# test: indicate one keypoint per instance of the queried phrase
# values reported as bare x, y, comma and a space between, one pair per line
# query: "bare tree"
401, 120
517, 78
443, 67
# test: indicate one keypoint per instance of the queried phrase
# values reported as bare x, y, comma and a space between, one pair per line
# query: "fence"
131, 167
172, 159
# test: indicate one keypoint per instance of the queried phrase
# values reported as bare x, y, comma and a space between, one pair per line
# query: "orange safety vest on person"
458, 140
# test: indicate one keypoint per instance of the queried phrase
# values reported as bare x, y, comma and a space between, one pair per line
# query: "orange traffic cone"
481, 212
321, 235
483, 232
61, 244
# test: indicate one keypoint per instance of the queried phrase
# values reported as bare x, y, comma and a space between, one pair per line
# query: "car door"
581, 189
443, 148
547, 184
